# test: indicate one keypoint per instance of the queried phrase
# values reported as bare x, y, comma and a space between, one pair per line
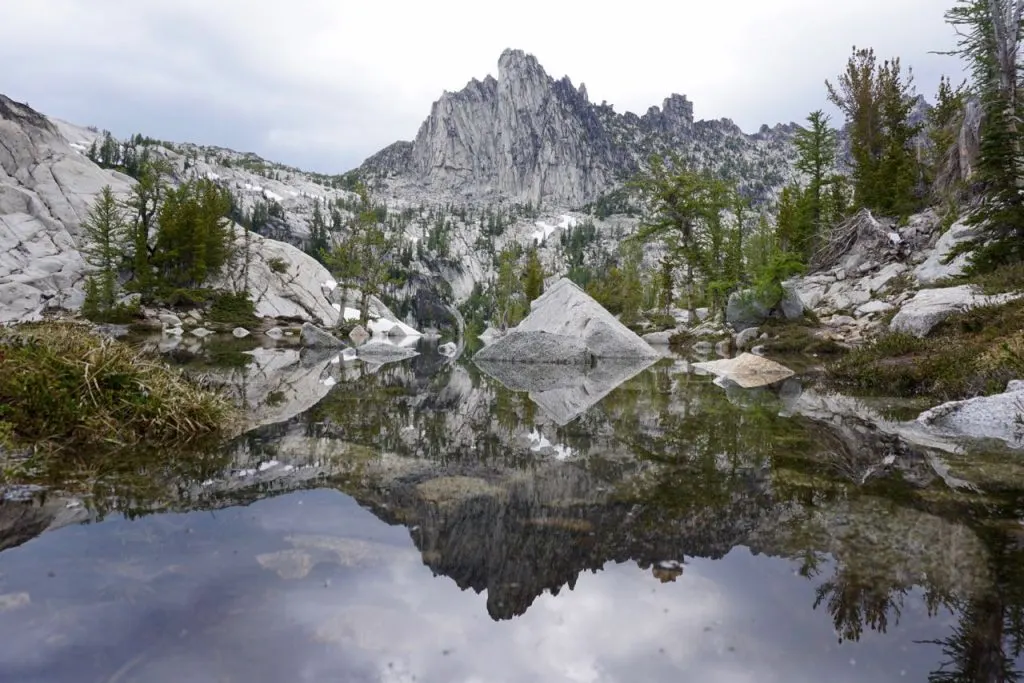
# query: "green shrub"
278, 265
233, 308
61, 384
971, 353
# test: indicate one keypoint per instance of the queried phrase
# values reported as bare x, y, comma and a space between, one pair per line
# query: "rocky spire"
525, 136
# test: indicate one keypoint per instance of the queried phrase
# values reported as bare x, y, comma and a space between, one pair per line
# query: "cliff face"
526, 136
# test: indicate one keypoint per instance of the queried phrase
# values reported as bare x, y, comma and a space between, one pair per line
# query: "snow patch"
273, 196
267, 465
539, 442
350, 313
546, 229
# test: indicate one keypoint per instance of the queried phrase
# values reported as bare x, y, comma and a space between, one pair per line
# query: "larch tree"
816, 146
363, 258
104, 233
684, 212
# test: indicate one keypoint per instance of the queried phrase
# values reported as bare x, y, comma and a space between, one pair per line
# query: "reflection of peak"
565, 392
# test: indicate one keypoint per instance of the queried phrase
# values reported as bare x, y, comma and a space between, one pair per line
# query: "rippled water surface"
435, 521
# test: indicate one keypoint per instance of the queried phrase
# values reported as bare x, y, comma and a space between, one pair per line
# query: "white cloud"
326, 83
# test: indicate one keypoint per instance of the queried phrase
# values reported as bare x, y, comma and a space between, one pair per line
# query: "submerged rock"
747, 370
240, 333
381, 350
566, 325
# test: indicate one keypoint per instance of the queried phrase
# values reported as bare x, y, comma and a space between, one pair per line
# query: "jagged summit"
525, 136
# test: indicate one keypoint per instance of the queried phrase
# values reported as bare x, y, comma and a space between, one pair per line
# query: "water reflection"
426, 519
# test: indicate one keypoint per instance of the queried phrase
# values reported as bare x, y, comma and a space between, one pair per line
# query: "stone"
841, 320
840, 274
448, 349
295, 294
201, 332
490, 334
723, 347
873, 307
984, 417
744, 309
659, 338
378, 350
169, 319
536, 347
746, 370
759, 350
275, 333
933, 269
312, 337
791, 305
240, 333
747, 337
929, 307
173, 331
565, 313
358, 335
703, 347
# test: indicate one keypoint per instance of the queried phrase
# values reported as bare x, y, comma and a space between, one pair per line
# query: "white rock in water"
448, 349
746, 370
169, 319
240, 333
275, 333
571, 320
173, 332
201, 332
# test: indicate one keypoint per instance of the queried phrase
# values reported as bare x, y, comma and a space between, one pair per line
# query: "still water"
435, 521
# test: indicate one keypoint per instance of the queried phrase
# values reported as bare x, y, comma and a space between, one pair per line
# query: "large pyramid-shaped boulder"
566, 325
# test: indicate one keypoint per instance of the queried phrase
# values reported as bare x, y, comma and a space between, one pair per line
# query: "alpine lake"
434, 520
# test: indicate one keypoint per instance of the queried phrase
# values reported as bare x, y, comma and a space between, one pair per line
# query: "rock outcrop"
929, 307
47, 185
527, 136
566, 325
46, 188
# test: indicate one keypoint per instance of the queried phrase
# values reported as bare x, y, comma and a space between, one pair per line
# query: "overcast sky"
322, 84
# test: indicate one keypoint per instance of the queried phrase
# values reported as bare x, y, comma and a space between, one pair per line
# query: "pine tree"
631, 294
104, 233
143, 204
990, 36
533, 276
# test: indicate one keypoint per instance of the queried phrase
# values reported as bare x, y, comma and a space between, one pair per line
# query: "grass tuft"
63, 385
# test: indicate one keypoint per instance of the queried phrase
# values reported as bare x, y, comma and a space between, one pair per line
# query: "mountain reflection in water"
629, 523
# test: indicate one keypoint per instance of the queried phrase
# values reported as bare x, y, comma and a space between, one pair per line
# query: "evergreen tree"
944, 121
631, 291
684, 212
533, 276
363, 259
508, 289
877, 101
104, 233
816, 145
143, 203
990, 36
193, 237
319, 240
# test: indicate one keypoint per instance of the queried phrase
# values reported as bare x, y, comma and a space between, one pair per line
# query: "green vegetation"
164, 244
972, 353
362, 260
61, 385
877, 101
